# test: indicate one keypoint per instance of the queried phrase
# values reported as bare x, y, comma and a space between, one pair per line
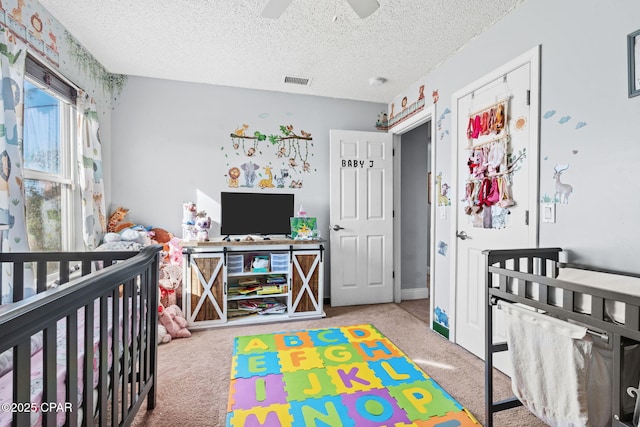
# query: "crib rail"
122, 299
511, 276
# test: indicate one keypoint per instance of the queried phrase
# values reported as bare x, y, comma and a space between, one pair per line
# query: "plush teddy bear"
171, 317
163, 335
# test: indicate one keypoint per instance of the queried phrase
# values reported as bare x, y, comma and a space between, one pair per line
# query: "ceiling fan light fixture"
364, 8
274, 8
377, 81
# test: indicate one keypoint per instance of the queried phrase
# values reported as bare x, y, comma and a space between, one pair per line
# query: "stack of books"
264, 286
262, 306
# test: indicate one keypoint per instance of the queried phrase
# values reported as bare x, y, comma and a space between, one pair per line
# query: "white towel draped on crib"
557, 373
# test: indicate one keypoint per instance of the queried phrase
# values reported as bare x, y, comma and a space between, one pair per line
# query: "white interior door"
361, 217
516, 84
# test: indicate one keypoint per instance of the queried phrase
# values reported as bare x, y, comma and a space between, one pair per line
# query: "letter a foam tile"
347, 376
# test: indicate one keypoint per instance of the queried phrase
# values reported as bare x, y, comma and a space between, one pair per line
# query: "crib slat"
72, 368
631, 317
543, 293
21, 376
126, 339
85, 267
64, 271
87, 391
41, 281
143, 359
135, 334
597, 307
18, 281
103, 392
50, 370
115, 348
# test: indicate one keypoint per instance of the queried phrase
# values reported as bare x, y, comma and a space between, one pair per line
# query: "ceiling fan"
274, 8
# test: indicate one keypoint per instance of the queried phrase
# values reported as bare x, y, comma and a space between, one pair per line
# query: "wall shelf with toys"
244, 282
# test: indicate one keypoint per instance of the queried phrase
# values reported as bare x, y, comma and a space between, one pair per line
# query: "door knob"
337, 228
463, 235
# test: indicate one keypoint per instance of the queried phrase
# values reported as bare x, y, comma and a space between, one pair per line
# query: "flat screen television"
255, 213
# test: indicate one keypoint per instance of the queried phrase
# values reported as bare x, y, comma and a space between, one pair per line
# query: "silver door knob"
463, 235
337, 228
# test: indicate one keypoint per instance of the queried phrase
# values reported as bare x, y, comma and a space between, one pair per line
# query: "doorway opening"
414, 158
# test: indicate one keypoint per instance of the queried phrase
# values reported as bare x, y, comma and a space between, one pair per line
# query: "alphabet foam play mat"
348, 376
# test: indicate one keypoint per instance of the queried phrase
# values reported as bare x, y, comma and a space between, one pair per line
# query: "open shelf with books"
237, 283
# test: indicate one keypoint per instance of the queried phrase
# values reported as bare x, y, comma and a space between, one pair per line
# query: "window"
48, 142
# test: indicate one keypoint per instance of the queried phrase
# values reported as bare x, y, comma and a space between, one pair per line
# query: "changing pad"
611, 282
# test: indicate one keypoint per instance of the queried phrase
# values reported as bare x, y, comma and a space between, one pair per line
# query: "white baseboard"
415, 293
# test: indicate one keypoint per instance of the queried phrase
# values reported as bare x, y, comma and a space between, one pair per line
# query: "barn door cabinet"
219, 278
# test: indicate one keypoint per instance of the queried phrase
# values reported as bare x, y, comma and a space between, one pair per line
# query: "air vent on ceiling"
303, 81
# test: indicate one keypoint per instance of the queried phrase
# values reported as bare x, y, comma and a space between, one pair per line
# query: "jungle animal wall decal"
442, 190
563, 191
291, 152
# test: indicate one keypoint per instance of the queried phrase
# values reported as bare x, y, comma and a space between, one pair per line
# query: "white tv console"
213, 271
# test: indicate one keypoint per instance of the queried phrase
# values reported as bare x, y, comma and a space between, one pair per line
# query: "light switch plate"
549, 212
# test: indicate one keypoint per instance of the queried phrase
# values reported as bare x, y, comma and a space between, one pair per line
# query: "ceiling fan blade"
274, 8
364, 8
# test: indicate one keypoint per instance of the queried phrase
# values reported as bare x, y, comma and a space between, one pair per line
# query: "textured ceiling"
228, 42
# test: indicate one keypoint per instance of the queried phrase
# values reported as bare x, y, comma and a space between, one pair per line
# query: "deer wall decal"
563, 191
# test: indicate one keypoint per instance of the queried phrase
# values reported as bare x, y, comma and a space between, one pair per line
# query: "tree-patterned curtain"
90, 173
13, 53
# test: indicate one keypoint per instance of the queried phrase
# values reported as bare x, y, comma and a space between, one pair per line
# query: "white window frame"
70, 226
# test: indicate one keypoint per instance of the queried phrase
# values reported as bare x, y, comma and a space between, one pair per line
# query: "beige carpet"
193, 373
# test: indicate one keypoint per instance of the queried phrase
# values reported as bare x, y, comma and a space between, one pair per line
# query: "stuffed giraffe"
115, 218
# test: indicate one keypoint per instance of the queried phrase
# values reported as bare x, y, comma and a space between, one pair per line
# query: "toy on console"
203, 224
173, 320
189, 221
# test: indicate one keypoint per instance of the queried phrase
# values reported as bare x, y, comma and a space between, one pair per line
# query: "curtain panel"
89, 150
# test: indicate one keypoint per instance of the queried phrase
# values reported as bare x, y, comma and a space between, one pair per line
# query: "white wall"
584, 77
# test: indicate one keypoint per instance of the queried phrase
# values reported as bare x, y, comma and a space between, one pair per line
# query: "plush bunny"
163, 335
173, 320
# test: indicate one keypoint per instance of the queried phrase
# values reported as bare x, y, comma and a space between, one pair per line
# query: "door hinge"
393, 214
393, 274
526, 218
393, 151
528, 97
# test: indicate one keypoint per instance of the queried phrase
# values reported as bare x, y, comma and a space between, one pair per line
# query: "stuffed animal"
189, 220
170, 280
189, 213
173, 320
203, 224
160, 235
173, 251
163, 335
115, 219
